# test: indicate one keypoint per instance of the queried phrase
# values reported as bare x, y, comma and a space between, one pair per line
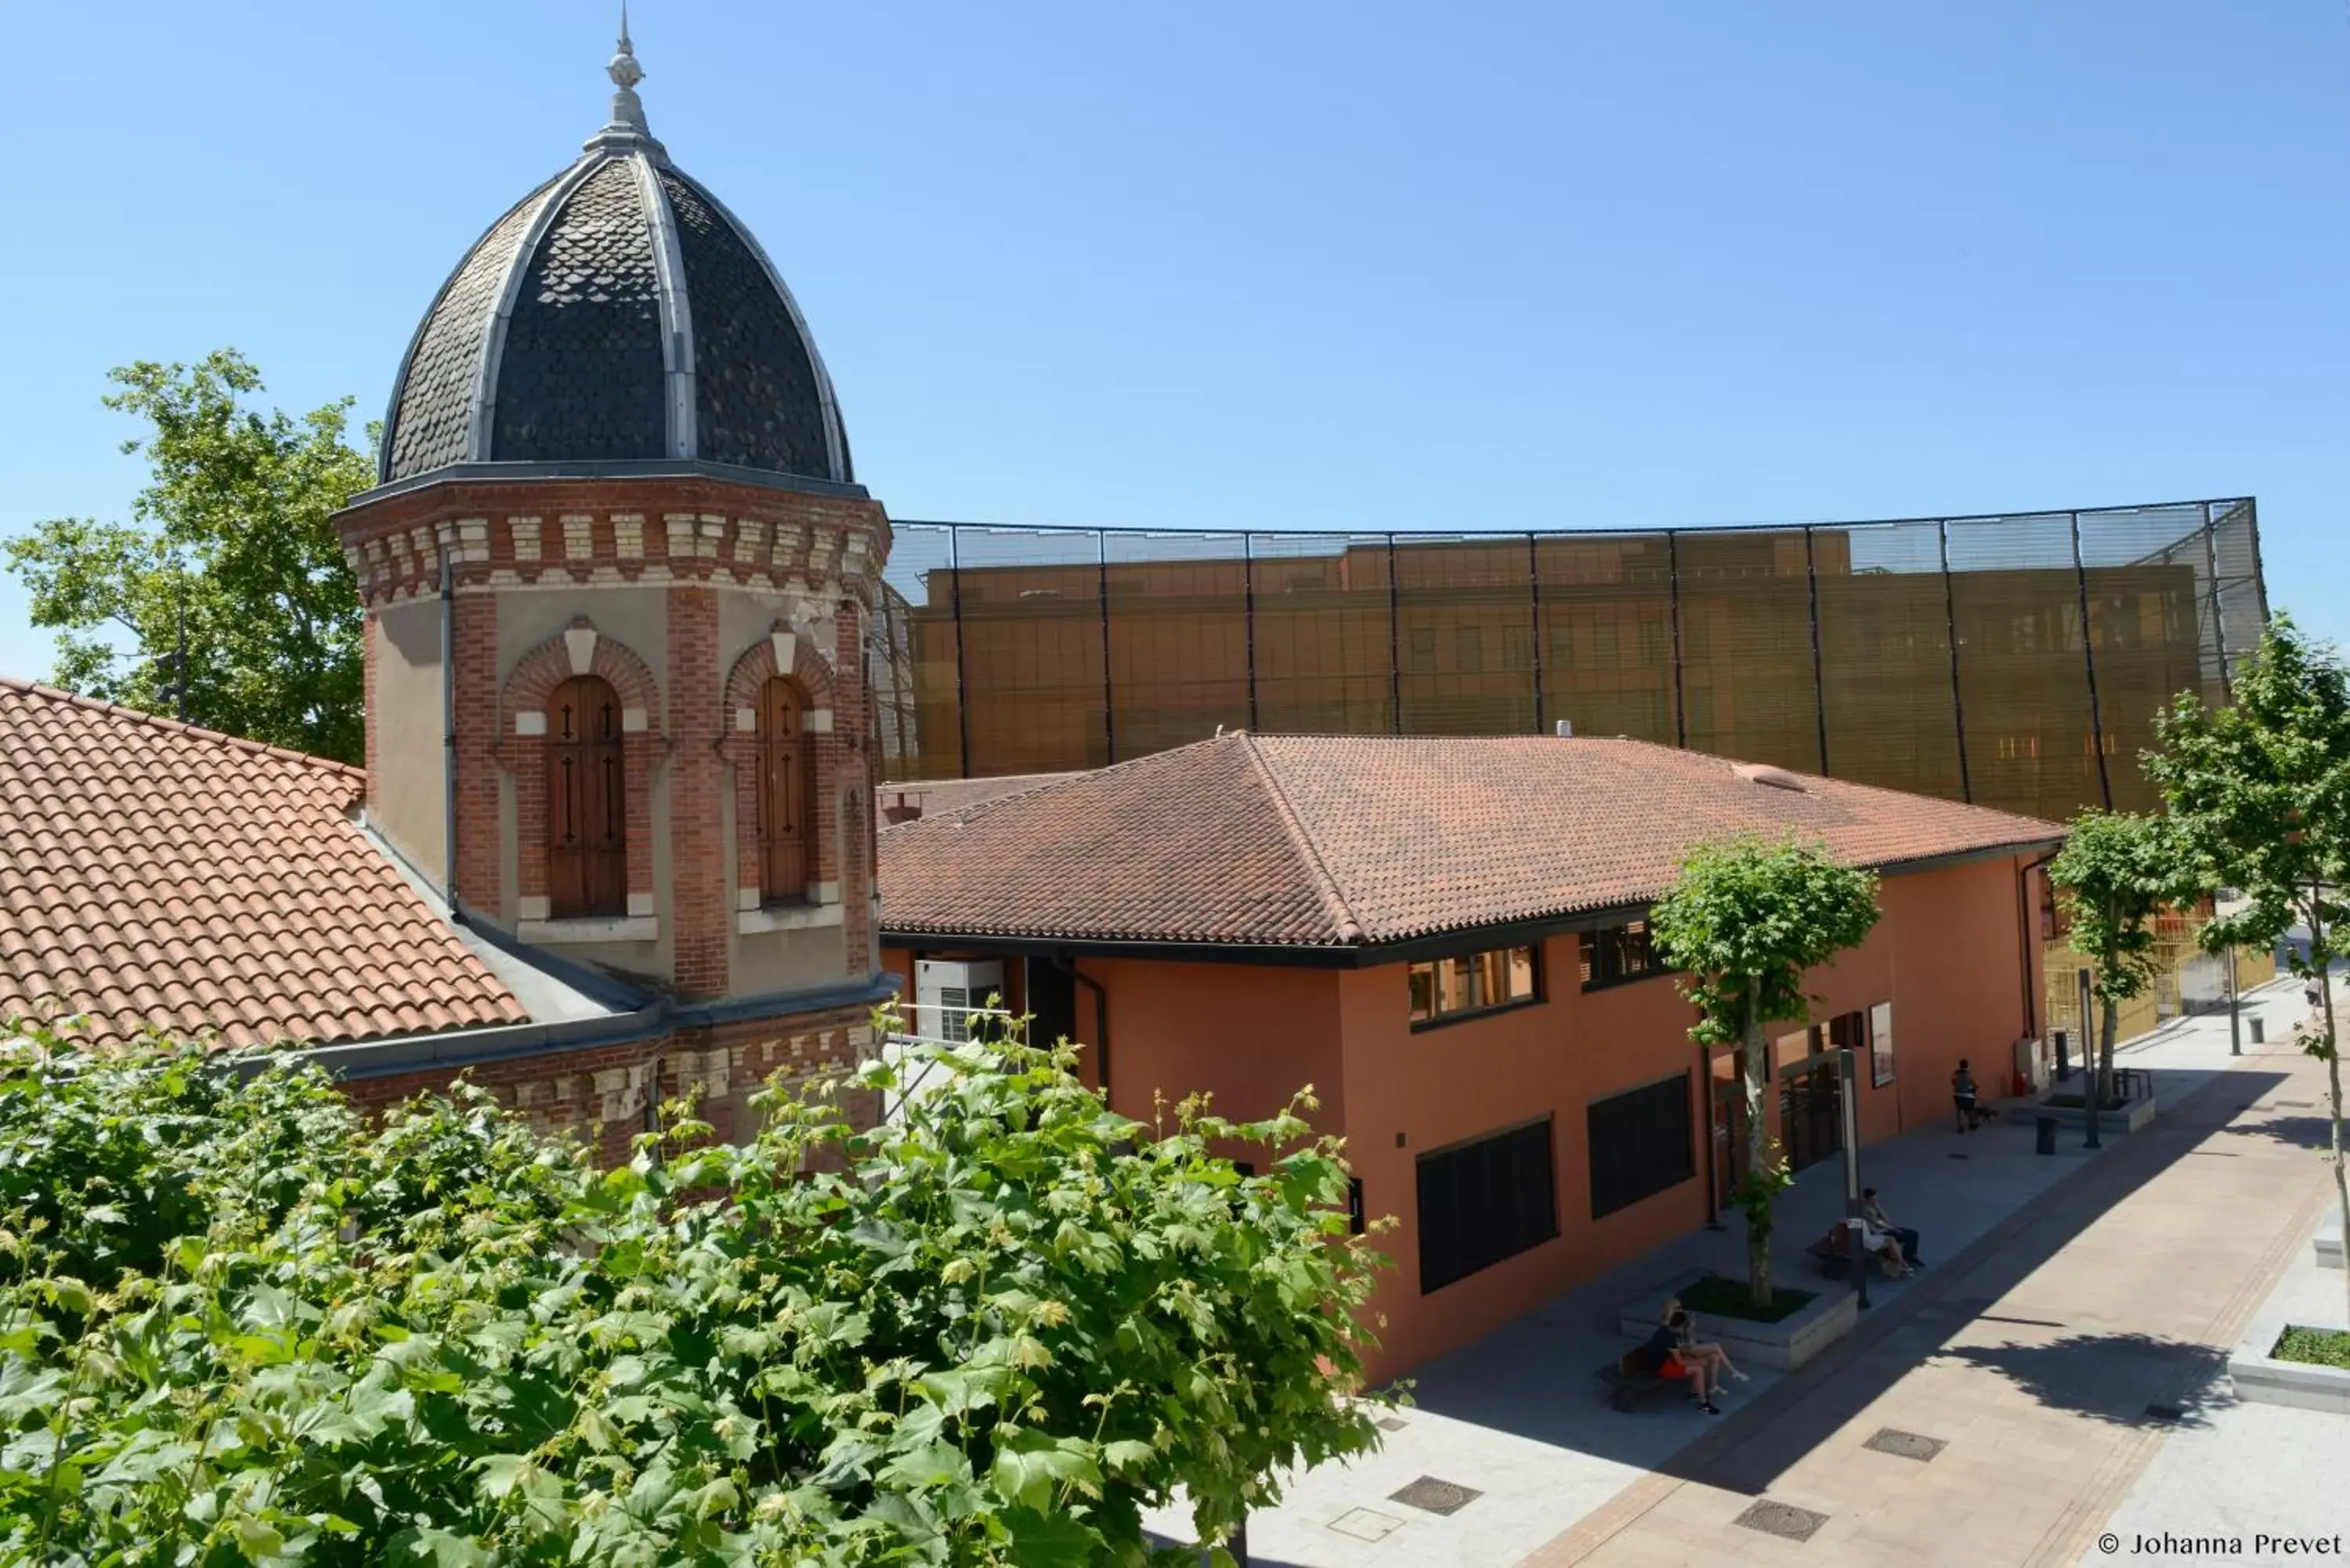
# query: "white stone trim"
787, 917
531, 722
578, 536
820, 720
639, 904
746, 897
746, 720
786, 647
526, 538
825, 893
676, 310
602, 929
534, 906
634, 720
579, 641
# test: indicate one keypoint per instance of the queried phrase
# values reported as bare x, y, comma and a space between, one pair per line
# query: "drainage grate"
1782, 1520
2165, 1413
1904, 1444
1434, 1496
1392, 1424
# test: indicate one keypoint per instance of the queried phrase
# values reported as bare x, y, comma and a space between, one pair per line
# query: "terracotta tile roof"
1336, 840
153, 874
931, 796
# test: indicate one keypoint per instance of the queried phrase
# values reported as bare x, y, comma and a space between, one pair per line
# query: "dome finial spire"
628, 110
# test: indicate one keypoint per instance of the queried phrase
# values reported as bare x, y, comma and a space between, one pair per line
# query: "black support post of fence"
1248, 618
2218, 615
1395, 639
962, 690
1534, 630
2089, 655
1819, 686
2260, 577
1950, 632
1673, 592
1109, 700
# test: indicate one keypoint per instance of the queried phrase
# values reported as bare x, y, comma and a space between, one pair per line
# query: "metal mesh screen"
1465, 631
1748, 688
1886, 672
1324, 634
2018, 662
1179, 631
1606, 644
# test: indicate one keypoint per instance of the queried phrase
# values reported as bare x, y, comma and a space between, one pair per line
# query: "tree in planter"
2117, 872
240, 1324
1743, 920
2264, 789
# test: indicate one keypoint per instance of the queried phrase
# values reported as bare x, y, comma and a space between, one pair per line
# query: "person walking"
1962, 1095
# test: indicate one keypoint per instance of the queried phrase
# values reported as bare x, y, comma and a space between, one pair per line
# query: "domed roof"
619, 312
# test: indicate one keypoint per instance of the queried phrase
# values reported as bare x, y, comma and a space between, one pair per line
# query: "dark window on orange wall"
586, 828
1640, 1144
1616, 954
1484, 1201
1466, 984
785, 774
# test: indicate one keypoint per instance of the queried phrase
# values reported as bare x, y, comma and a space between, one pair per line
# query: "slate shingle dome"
618, 313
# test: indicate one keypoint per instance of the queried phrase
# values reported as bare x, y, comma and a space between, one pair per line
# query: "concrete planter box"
2263, 1380
2134, 1114
1787, 1344
2326, 1245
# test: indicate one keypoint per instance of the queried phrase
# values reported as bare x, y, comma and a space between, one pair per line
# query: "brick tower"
618, 572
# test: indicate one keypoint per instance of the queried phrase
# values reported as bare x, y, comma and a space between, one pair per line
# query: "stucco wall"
410, 801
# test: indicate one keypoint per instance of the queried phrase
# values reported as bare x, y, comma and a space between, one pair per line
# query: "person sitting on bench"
1697, 1352
1873, 1212
1664, 1359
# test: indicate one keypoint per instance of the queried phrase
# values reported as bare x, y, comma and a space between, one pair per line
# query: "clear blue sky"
1371, 265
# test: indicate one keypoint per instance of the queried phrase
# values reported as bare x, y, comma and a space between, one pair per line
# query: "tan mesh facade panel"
2016, 662
1606, 643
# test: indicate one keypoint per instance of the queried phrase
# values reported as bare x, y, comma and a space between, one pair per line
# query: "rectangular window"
1880, 1044
1448, 988
1640, 1144
1484, 1201
1618, 954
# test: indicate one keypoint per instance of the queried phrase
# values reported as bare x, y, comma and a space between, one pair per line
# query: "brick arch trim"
522, 745
739, 745
538, 672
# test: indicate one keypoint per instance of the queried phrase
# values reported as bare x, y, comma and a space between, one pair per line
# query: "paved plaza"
2070, 1306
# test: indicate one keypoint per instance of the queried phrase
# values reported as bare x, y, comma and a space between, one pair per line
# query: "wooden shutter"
586, 846
1484, 1201
783, 793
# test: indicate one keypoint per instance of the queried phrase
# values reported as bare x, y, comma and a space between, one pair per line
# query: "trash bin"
2257, 1028
2048, 1130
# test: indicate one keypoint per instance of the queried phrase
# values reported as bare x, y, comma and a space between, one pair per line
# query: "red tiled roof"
1341, 840
156, 874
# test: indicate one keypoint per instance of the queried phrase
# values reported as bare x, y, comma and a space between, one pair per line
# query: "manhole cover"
1782, 1520
1366, 1524
1906, 1445
1434, 1496
1392, 1424
2165, 1413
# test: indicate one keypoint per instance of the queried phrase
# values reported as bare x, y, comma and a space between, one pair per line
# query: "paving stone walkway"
2049, 1362
1559, 1477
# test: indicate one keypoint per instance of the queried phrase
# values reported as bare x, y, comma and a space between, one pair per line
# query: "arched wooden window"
786, 769
587, 825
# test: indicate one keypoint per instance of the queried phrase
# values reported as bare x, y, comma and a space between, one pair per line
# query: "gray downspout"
449, 728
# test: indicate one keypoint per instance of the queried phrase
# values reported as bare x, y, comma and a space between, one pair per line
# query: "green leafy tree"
2117, 872
230, 548
239, 1324
1743, 921
2263, 787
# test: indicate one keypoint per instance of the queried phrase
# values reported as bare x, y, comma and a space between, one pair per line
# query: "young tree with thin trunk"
2117, 872
1743, 921
2264, 789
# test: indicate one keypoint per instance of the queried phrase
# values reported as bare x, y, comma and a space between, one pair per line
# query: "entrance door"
1811, 1111
586, 850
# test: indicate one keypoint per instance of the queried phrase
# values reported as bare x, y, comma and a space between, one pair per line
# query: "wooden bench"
1629, 1379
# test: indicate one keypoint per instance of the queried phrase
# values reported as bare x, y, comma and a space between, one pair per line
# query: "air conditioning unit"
945, 992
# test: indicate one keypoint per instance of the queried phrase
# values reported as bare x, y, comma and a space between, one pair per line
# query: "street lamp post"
2235, 1009
1849, 1109
2092, 1060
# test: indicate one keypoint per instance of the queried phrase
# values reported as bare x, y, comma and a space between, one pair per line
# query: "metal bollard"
2046, 1130
2260, 1035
